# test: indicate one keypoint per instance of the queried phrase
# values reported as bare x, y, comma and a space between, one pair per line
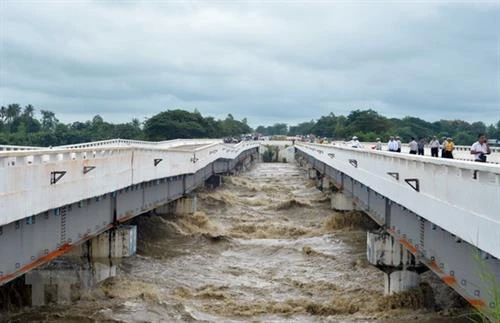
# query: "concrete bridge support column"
67, 279
286, 154
213, 181
299, 160
83, 267
325, 184
247, 162
242, 166
401, 268
312, 173
255, 157
115, 243
184, 205
35, 279
341, 202
40, 279
400, 280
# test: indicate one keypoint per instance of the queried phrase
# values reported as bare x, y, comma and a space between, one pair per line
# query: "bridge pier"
400, 281
325, 184
114, 243
51, 284
341, 202
82, 268
247, 162
312, 173
213, 181
402, 270
286, 154
184, 205
66, 280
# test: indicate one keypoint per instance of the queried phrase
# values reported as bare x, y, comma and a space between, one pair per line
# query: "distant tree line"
367, 125
173, 124
20, 126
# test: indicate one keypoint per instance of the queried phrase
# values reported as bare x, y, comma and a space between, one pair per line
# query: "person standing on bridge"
434, 144
448, 147
413, 146
392, 145
378, 145
420, 146
354, 143
444, 142
480, 149
398, 141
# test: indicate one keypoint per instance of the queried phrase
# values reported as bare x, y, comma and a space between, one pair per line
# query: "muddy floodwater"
264, 247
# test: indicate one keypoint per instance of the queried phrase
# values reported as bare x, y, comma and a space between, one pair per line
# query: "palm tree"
13, 111
29, 111
3, 113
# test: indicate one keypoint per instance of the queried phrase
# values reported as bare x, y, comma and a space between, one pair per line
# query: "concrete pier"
341, 202
401, 268
286, 154
114, 243
60, 279
184, 205
312, 173
66, 280
400, 281
213, 181
325, 184
82, 268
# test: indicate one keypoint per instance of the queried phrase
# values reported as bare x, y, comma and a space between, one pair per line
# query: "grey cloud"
270, 62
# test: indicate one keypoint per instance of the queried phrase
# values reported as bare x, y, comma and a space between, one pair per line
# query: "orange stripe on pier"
449, 280
40, 261
408, 245
50, 256
476, 302
433, 265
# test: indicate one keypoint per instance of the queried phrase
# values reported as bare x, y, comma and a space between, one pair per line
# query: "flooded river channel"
264, 247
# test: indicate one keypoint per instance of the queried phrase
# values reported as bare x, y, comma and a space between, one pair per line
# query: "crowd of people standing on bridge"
479, 149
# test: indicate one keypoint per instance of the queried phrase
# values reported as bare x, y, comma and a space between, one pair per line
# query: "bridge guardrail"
460, 152
18, 148
130, 142
462, 197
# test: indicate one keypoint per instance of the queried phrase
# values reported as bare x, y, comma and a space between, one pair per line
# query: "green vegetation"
368, 125
20, 126
489, 312
270, 154
183, 124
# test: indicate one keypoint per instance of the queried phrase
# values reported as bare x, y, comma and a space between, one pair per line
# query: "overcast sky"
281, 61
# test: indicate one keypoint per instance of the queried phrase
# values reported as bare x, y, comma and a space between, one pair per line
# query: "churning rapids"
264, 247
